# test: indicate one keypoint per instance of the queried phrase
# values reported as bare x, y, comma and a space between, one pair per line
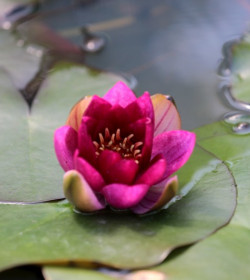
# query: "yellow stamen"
136, 152
113, 138
138, 144
101, 138
107, 133
96, 144
130, 137
118, 134
115, 142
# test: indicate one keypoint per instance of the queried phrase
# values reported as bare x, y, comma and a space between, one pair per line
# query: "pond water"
172, 47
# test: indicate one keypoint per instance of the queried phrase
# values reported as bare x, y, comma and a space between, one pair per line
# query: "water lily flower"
121, 151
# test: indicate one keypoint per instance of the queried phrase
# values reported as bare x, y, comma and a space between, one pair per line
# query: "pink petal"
143, 132
176, 147
116, 169
147, 143
118, 117
106, 160
166, 115
120, 94
91, 175
123, 196
85, 143
146, 106
122, 172
157, 196
98, 108
141, 108
153, 174
65, 143
80, 194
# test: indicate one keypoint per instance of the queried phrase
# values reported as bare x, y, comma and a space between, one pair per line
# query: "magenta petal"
123, 172
118, 117
140, 109
65, 143
146, 106
143, 130
176, 147
120, 94
105, 161
91, 175
157, 196
153, 174
115, 169
98, 108
80, 194
147, 143
85, 143
123, 196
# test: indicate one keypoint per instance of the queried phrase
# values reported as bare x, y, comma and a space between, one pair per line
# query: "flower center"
114, 142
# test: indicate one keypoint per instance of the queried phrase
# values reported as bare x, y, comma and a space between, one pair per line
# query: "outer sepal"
80, 194
166, 115
75, 116
157, 196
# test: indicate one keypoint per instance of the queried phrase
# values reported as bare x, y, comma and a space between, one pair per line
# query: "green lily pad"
240, 68
65, 273
225, 255
29, 169
23, 63
53, 233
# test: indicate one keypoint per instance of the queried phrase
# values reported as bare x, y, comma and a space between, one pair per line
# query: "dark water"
172, 47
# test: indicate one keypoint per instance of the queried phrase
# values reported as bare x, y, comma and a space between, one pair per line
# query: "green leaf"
52, 232
240, 68
23, 63
65, 273
225, 255
29, 169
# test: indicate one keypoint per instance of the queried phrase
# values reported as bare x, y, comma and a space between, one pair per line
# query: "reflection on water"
172, 47
226, 91
11, 12
239, 122
92, 43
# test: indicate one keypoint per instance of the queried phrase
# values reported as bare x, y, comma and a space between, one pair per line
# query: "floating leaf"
239, 59
225, 255
53, 233
22, 63
29, 169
